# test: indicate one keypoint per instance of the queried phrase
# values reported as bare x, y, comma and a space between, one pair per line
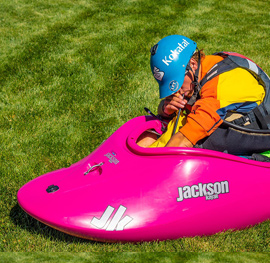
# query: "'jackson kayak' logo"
112, 158
210, 190
174, 53
118, 222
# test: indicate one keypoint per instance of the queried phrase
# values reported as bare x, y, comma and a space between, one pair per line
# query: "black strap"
240, 121
223, 66
197, 71
260, 119
196, 83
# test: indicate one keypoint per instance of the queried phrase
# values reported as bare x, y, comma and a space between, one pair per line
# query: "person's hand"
173, 103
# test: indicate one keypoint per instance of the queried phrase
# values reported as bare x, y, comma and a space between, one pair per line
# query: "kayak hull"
122, 192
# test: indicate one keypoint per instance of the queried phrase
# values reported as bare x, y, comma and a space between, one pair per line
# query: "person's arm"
202, 121
179, 140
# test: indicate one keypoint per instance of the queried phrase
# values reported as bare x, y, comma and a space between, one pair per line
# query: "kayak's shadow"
24, 221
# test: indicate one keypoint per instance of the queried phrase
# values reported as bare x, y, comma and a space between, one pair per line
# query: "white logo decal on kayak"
210, 191
112, 158
117, 222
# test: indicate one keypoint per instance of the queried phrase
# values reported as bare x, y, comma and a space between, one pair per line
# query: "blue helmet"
169, 60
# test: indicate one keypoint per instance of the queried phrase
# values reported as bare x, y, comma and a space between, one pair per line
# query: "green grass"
72, 72
130, 257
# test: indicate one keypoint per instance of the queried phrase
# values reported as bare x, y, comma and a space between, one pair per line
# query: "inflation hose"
244, 129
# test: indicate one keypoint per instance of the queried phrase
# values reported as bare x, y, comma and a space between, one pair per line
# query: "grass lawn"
71, 73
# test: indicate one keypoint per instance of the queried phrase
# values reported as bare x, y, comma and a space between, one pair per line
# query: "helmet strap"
197, 71
195, 82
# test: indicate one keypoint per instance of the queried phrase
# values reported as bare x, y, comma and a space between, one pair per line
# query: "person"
206, 95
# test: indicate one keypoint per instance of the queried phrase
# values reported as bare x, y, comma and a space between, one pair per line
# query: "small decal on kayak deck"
117, 222
112, 158
211, 191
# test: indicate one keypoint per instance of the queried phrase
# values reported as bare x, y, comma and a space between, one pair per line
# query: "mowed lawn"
72, 72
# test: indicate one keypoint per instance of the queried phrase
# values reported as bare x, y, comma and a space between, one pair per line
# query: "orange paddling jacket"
236, 90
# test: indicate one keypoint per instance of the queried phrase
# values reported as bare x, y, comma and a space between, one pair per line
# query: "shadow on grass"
20, 218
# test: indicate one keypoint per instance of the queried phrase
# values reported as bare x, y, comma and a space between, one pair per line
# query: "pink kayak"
123, 192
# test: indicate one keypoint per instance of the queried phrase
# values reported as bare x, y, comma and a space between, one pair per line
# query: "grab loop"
92, 167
